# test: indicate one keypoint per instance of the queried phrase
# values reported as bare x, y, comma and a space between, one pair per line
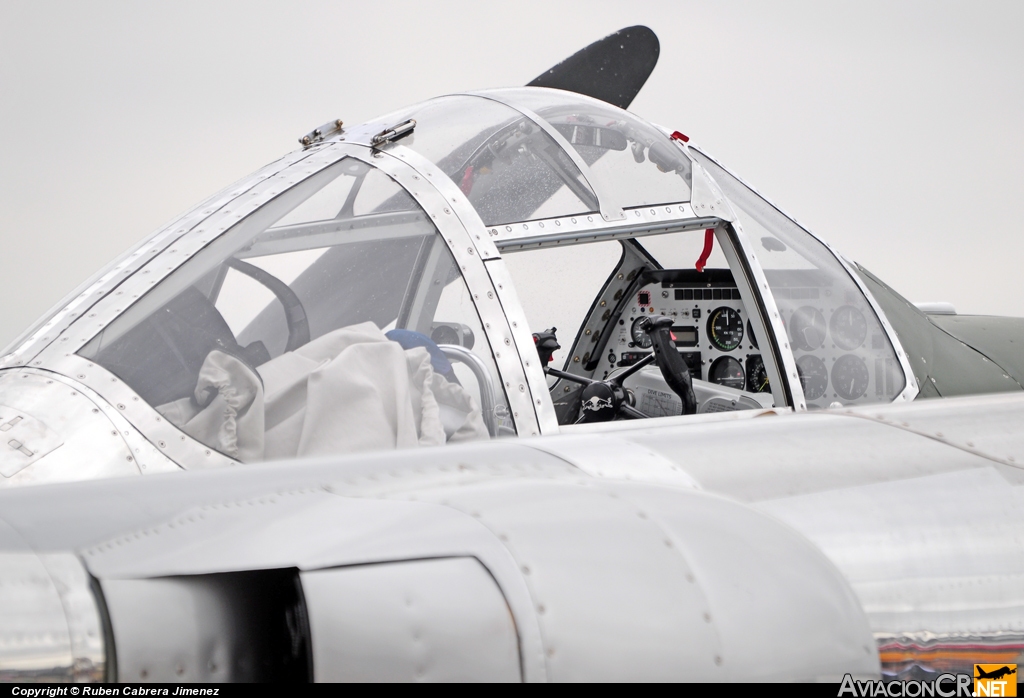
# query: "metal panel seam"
934, 437
531, 639
1006, 373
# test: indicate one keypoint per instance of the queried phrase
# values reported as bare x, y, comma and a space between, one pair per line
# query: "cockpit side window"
651, 276
557, 287
843, 355
333, 320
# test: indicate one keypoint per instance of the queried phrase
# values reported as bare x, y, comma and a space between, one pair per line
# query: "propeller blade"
612, 69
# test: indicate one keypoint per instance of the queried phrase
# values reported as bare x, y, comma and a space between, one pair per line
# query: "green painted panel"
1001, 339
943, 364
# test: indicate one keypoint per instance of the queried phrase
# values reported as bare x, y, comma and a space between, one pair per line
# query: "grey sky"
893, 130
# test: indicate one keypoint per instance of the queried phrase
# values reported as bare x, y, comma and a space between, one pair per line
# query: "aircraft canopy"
528, 153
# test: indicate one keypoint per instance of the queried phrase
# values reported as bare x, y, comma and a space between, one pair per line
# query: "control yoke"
603, 400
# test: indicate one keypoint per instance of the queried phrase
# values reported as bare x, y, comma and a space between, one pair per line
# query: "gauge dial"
850, 377
849, 329
750, 335
807, 328
757, 376
640, 338
725, 328
813, 376
728, 372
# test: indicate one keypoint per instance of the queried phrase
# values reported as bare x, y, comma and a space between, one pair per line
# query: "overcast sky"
895, 130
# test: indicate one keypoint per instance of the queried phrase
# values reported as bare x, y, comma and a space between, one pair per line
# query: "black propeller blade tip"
612, 69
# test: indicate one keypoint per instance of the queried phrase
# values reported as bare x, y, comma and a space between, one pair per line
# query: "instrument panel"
841, 354
710, 328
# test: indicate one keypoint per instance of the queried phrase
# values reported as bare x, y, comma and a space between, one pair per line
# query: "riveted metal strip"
460, 241
954, 422
645, 220
765, 319
455, 201
513, 312
772, 316
161, 261
607, 199
79, 304
151, 437
77, 376
911, 389
706, 197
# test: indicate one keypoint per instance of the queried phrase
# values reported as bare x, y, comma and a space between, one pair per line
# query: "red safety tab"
467, 181
709, 243
677, 136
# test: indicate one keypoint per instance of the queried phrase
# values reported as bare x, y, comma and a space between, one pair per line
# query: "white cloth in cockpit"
232, 422
349, 391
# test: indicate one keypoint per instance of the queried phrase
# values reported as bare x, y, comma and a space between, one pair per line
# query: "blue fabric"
409, 339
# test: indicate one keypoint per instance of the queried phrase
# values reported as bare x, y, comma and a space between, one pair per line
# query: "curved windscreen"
507, 166
332, 320
628, 156
842, 353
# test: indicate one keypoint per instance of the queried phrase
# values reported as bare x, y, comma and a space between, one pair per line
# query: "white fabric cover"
233, 421
348, 391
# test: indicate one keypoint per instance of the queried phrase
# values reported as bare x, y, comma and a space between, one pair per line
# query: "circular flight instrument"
725, 328
813, 376
807, 328
848, 326
850, 377
750, 335
728, 372
757, 376
640, 338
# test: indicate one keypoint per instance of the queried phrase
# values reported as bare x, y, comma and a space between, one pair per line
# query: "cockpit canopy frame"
560, 142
